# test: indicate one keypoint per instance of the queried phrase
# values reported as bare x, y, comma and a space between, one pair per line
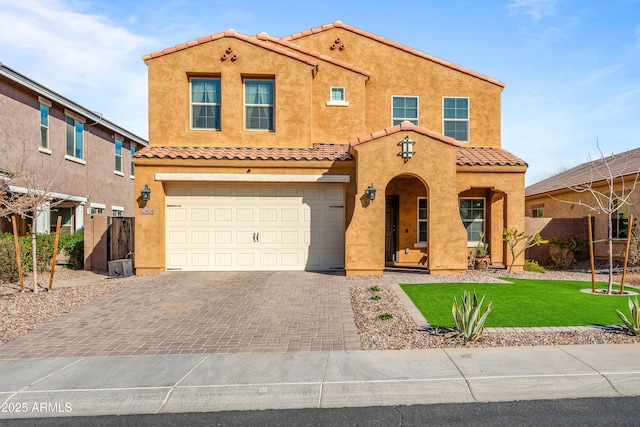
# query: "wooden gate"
121, 238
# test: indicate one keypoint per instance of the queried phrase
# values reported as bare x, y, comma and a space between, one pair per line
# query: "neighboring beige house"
560, 196
86, 157
330, 149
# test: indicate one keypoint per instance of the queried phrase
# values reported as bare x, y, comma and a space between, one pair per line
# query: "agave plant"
469, 317
633, 326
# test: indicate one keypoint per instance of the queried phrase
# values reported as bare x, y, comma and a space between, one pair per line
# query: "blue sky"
572, 67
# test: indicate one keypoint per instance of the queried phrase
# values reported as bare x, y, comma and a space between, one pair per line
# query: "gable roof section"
233, 34
403, 127
306, 51
622, 164
340, 24
466, 156
41, 90
319, 152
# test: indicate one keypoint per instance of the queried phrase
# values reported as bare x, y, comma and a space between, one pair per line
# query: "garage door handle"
256, 237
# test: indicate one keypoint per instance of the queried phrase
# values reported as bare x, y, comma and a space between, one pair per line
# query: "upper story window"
133, 151
537, 212
456, 118
44, 125
405, 108
337, 97
75, 138
118, 145
258, 104
205, 104
422, 219
472, 215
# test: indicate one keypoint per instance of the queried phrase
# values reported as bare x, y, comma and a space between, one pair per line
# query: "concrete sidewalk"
216, 382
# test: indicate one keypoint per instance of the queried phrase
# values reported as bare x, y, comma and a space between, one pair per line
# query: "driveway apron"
203, 312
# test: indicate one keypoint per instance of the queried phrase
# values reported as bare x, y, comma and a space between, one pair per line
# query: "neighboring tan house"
86, 160
563, 196
331, 149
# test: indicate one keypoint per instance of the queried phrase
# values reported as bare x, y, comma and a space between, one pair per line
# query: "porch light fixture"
372, 192
145, 193
407, 149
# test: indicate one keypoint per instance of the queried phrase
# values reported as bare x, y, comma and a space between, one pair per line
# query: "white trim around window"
422, 221
259, 104
337, 97
405, 108
468, 215
455, 117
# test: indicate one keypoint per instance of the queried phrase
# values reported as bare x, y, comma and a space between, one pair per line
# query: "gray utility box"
121, 268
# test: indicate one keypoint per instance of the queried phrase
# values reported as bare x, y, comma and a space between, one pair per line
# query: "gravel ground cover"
23, 312
402, 332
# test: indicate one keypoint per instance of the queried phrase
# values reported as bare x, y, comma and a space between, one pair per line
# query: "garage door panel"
267, 227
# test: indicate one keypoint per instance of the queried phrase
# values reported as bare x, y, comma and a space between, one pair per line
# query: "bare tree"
610, 187
26, 190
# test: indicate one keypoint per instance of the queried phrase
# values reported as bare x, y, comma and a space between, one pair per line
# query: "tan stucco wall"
435, 165
395, 72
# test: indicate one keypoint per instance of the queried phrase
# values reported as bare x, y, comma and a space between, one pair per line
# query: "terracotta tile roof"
231, 33
403, 127
329, 152
306, 51
339, 24
487, 156
619, 165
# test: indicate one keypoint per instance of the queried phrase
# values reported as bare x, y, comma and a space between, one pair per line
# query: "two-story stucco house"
82, 160
328, 149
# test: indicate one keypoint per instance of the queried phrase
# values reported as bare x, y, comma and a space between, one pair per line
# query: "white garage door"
215, 227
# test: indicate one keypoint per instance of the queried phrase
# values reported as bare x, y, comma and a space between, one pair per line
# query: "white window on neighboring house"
537, 212
259, 104
456, 118
75, 137
472, 214
44, 124
205, 104
133, 151
118, 156
117, 211
422, 219
620, 220
404, 108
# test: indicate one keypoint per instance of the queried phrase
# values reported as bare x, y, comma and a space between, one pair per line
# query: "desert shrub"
469, 316
8, 264
532, 265
562, 250
72, 245
632, 325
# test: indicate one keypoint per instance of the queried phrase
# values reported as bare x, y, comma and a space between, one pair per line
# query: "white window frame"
76, 120
118, 155
474, 243
415, 121
205, 104
117, 211
446, 120
424, 220
132, 149
337, 102
271, 106
44, 128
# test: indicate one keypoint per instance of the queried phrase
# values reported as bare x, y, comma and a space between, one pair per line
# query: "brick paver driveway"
189, 313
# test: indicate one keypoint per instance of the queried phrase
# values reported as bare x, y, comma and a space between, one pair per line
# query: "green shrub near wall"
8, 264
71, 245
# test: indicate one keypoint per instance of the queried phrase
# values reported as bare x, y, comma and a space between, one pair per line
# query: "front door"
391, 229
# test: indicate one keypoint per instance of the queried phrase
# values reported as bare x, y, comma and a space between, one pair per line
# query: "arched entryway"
406, 222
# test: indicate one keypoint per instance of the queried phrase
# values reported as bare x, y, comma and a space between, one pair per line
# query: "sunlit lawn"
524, 302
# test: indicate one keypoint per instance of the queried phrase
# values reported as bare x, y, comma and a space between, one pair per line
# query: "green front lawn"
522, 303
